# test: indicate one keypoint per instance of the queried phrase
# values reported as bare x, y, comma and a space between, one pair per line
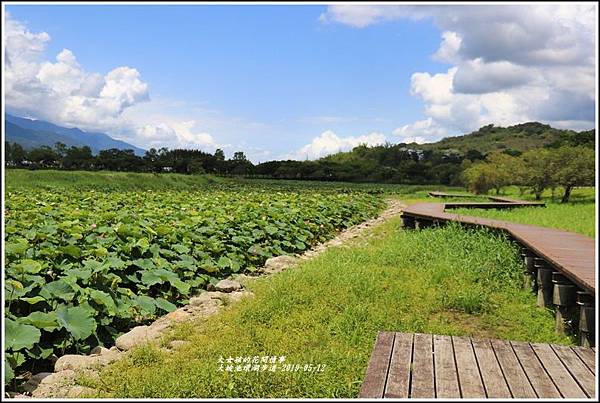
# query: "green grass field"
329, 310
16, 179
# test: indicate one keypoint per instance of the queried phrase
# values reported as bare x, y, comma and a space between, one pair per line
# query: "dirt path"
62, 383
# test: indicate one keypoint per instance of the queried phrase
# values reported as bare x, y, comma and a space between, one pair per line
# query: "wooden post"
529, 275
586, 319
544, 283
564, 298
422, 223
408, 221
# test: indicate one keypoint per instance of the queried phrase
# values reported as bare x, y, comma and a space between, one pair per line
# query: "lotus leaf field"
83, 266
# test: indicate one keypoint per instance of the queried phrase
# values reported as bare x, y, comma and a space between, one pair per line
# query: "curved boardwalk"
572, 254
404, 365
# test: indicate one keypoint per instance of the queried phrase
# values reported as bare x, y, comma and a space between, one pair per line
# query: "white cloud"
449, 48
477, 77
421, 131
361, 16
175, 134
64, 93
329, 142
509, 63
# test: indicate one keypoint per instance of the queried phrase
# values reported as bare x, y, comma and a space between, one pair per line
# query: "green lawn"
328, 311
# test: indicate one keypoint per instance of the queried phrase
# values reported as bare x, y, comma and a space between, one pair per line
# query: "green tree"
479, 178
500, 172
219, 155
537, 170
572, 167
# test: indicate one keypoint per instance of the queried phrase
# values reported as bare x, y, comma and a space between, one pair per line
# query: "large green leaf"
102, 298
158, 276
77, 320
9, 373
33, 300
29, 266
41, 320
16, 248
19, 335
59, 289
164, 304
147, 304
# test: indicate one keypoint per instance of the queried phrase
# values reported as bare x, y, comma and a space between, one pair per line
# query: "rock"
99, 350
228, 286
55, 385
177, 344
205, 297
15, 395
74, 362
33, 382
179, 315
79, 362
79, 391
205, 309
140, 335
237, 296
278, 263
225, 286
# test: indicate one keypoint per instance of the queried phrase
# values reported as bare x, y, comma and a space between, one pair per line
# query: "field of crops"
82, 266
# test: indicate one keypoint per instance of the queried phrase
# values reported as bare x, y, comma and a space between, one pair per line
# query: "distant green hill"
521, 137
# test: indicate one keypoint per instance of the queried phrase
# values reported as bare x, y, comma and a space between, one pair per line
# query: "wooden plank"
580, 372
587, 356
492, 376
446, 379
539, 379
557, 371
374, 383
422, 383
469, 379
515, 377
398, 380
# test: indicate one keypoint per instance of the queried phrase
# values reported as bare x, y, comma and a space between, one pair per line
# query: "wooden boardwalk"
407, 365
572, 254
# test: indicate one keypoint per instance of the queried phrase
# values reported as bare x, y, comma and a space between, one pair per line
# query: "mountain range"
31, 133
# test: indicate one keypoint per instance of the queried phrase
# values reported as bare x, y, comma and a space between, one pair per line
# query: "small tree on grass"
501, 167
573, 166
479, 178
537, 170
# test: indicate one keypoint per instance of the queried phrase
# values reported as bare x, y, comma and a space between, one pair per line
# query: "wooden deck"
570, 253
406, 365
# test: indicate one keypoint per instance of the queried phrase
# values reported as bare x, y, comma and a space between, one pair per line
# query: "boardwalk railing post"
408, 221
586, 319
421, 223
529, 276
564, 298
544, 283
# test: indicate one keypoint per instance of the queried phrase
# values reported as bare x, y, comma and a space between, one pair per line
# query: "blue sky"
282, 81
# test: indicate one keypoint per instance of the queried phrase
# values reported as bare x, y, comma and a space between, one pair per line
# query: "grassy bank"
104, 180
131, 181
328, 311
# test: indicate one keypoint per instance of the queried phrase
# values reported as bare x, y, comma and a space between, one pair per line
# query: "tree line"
162, 160
390, 163
566, 167
557, 165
